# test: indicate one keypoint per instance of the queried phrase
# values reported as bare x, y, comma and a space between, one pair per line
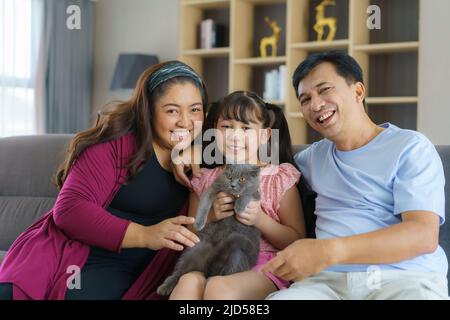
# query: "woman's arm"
79, 209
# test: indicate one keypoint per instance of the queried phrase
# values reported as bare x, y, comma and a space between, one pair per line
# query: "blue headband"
172, 70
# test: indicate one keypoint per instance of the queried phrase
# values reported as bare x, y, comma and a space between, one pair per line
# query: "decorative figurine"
273, 40
322, 21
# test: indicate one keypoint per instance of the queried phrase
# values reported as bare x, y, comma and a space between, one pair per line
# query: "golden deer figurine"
322, 21
273, 40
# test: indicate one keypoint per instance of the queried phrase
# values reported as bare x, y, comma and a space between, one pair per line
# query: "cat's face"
241, 178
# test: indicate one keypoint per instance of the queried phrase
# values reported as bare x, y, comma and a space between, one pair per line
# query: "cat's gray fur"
226, 246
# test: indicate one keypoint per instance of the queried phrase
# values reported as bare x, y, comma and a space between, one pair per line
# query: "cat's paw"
166, 288
199, 224
239, 207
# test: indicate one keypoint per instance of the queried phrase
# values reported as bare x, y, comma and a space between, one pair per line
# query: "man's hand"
251, 214
301, 259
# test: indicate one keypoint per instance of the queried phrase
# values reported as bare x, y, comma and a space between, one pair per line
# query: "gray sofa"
27, 164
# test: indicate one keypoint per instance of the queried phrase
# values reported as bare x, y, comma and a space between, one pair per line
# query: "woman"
119, 210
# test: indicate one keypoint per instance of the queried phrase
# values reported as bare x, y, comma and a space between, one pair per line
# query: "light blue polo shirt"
368, 188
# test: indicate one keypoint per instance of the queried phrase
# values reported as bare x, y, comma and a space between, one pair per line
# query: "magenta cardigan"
37, 262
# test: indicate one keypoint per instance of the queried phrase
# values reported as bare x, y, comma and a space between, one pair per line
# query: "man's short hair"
345, 65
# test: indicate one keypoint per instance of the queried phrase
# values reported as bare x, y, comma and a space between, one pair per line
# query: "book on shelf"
212, 34
275, 84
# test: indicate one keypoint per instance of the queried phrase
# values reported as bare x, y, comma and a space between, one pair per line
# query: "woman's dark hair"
132, 116
345, 65
246, 106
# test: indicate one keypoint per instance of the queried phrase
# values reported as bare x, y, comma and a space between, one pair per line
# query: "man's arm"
417, 234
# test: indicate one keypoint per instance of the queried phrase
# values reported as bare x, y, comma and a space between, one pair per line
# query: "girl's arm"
194, 200
223, 203
292, 223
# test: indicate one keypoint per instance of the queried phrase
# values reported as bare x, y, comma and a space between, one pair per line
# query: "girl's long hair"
247, 106
132, 116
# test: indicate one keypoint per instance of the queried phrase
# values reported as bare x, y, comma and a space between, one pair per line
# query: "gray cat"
226, 246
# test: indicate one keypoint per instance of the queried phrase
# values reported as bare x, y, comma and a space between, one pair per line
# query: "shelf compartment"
340, 11
392, 74
275, 11
402, 115
258, 61
391, 100
388, 47
265, 2
321, 45
193, 13
211, 67
206, 53
207, 4
399, 21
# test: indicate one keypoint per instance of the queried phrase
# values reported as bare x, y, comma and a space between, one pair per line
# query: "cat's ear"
254, 170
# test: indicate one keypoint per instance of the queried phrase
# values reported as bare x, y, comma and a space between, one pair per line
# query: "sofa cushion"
18, 213
28, 163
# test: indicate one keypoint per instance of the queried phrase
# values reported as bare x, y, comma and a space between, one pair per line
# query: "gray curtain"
66, 56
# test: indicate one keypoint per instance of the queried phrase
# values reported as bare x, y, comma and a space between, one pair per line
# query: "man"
380, 198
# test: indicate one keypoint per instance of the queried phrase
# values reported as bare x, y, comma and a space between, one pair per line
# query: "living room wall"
434, 72
134, 26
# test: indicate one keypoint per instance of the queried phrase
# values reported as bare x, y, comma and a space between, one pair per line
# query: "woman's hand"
183, 162
223, 206
180, 172
170, 233
251, 214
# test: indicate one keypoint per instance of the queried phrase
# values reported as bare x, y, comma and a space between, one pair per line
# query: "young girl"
243, 121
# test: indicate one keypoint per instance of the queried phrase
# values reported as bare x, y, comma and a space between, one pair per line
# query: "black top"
151, 197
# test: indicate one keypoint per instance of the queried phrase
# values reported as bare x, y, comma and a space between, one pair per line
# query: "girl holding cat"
278, 215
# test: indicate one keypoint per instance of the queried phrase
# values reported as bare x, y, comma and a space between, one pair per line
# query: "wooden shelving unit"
388, 57
205, 53
261, 61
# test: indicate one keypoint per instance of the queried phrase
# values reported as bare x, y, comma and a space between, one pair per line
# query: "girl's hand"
223, 206
251, 214
171, 234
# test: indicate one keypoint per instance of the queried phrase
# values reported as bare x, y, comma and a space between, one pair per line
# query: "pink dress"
274, 182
